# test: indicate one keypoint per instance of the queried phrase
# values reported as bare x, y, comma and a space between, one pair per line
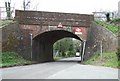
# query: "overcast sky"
68, 6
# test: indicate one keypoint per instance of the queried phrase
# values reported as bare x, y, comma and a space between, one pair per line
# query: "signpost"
60, 25
78, 30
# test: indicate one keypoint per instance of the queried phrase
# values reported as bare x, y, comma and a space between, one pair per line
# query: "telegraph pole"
8, 9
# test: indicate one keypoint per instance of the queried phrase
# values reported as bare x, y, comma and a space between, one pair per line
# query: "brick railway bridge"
44, 31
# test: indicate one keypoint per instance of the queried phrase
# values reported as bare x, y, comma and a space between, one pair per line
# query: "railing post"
83, 50
31, 36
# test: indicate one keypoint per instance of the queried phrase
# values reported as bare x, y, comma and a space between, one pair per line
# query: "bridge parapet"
53, 18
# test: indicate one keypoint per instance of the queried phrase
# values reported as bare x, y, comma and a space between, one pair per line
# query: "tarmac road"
65, 69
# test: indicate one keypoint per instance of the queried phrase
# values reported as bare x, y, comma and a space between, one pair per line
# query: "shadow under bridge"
42, 47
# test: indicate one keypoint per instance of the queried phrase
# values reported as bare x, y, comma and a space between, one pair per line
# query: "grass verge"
12, 59
57, 58
107, 59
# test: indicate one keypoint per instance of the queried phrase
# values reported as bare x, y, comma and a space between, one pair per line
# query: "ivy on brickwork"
11, 42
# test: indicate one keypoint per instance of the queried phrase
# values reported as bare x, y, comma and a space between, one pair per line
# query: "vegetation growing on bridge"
4, 23
12, 59
108, 59
117, 20
110, 26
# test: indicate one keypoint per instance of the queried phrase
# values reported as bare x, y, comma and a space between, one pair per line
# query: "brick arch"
43, 44
40, 22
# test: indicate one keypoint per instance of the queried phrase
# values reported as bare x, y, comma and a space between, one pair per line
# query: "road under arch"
42, 47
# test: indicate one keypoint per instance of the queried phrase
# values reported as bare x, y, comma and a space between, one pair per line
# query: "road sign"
60, 25
78, 30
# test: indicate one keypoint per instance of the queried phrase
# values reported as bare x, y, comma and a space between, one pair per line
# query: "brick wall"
98, 34
16, 39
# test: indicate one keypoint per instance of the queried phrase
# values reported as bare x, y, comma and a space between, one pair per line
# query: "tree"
8, 9
77, 45
64, 45
26, 4
108, 17
118, 54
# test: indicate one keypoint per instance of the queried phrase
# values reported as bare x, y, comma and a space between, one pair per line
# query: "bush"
108, 59
70, 53
12, 59
9, 56
118, 54
63, 54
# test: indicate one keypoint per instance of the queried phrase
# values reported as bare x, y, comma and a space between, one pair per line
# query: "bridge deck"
53, 18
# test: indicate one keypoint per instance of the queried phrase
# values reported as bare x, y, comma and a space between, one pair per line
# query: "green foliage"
4, 23
57, 58
112, 27
65, 55
63, 46
77, 45
67, 47
11, 59
93, 59
107, 59
118, 54
70, 53
115, 20
110, 59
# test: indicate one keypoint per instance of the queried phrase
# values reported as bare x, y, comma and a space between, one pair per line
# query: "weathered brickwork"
98, 35
53, 18
38, 22
17, 37
14, 39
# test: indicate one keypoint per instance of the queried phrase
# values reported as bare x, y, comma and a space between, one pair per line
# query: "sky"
67, 6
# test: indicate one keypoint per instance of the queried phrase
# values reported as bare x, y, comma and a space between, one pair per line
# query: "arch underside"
42, 48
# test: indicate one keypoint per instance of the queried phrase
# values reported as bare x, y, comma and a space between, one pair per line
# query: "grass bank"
107, 59
4, 23
111, 27
12, 59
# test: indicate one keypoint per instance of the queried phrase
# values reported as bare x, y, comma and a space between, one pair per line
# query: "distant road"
65, 69
70, 59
